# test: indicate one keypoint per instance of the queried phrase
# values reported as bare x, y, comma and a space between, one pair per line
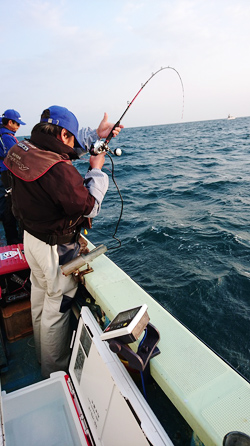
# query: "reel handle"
100, 147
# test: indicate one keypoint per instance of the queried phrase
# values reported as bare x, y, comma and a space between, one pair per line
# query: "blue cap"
64, 118
13, 115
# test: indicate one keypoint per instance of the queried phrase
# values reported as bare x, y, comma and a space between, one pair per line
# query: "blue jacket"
7, 140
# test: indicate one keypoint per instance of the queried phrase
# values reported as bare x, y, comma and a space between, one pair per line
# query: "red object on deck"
12, 259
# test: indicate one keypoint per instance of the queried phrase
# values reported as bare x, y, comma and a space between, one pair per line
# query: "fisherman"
10, 123
54, 203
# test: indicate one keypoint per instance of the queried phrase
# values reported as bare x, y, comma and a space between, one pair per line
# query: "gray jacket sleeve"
86, 136
97, 182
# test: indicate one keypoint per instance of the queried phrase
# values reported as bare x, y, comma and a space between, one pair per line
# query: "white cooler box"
97, 404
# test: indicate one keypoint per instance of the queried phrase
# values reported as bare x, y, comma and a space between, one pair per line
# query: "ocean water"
185, 227
184, 231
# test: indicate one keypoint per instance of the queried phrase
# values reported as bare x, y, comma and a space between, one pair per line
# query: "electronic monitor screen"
124, 322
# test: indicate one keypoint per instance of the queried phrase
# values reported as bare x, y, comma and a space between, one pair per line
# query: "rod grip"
110, 136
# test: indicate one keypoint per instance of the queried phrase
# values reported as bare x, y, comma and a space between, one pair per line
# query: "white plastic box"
42, 414
97, 404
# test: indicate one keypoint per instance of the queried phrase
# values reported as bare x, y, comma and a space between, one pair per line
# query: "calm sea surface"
185, 228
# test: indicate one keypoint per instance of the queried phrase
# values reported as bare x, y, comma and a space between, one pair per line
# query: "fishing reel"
102, 146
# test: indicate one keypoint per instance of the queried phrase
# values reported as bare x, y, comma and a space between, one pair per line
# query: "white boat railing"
212, 397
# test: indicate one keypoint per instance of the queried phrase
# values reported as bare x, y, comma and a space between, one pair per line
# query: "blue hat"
13, 115
64, 118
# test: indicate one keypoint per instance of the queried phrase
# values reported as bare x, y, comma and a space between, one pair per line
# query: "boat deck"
212, 397
23, 368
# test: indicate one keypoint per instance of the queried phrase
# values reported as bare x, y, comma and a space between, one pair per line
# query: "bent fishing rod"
102, 146
73, 266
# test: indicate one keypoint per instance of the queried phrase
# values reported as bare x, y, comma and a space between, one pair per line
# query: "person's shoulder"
4, 129
65, 174
67, 167
7, 133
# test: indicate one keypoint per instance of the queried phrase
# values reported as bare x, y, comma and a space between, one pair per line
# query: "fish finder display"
127, 325
123, 319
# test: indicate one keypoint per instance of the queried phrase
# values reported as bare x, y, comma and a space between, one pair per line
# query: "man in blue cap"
9, 124
54, 203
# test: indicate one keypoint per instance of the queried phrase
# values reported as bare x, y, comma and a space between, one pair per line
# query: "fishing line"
110, 136
119, 219
102, 146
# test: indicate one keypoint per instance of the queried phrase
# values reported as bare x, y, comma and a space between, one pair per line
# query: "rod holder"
81, 260
146, 350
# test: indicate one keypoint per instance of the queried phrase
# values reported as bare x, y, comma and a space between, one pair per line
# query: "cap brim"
77, 144
21, 122
79, 149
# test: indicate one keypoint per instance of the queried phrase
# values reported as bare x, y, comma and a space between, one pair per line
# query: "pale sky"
92, 56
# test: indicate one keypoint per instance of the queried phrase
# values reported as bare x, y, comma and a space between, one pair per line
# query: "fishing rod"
102, 146
73, 266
